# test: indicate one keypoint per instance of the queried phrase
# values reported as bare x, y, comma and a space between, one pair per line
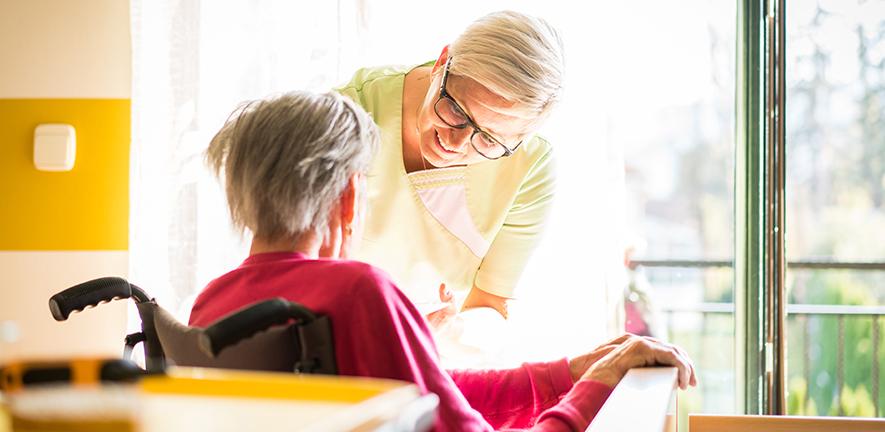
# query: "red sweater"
379, 333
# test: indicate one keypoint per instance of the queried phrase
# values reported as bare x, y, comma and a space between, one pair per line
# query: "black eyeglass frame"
443, 94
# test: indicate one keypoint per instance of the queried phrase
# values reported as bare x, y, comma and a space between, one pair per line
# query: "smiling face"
443, 145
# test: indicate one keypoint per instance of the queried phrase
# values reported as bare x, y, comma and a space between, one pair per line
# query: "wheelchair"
273, 335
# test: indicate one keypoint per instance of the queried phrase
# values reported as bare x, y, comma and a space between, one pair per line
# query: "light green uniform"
462, 226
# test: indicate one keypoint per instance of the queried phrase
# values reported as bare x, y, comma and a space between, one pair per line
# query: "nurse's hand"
478, 298
631, 351
439, 318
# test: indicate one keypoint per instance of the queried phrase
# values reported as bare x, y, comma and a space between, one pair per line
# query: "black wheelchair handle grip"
92, 293
246, 322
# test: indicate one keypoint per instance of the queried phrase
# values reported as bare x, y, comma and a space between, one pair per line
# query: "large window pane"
835, 206
678, 140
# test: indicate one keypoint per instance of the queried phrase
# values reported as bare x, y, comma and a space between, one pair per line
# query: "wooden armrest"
721, 423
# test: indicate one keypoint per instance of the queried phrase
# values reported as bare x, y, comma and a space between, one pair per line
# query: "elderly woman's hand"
579, 365
610, 362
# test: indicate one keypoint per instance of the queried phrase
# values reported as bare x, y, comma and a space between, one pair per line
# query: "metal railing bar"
683, 263
792, 309
812, 309
836, 265
840, 363
796, 265
876, 364
806, 350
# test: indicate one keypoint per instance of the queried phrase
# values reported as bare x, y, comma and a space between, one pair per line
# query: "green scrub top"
473, 225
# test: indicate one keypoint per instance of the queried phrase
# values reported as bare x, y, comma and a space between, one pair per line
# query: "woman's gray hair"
515, 56
286, 160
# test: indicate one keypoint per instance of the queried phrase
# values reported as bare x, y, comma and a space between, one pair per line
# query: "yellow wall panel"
86, 208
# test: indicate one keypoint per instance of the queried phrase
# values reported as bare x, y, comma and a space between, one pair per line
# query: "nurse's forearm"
479, 298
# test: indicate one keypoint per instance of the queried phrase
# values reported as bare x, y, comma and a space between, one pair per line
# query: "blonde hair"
286, 160
515, 56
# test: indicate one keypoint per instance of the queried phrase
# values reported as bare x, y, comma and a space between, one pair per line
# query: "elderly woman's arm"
521, 395
533, 388
390, 339
534, 391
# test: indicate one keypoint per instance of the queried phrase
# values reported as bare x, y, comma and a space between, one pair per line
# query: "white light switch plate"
55, 147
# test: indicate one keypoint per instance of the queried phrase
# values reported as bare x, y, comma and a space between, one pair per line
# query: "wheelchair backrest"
278, 349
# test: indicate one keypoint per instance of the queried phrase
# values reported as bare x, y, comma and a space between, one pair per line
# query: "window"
680, 190
835, 207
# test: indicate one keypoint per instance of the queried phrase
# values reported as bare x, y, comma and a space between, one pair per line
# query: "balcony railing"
840, 312
800, 318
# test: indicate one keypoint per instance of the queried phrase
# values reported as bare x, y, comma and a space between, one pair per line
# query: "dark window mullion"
759, 208
749, 208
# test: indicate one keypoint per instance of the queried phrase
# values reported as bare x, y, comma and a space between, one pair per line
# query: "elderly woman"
294, 170
462, 185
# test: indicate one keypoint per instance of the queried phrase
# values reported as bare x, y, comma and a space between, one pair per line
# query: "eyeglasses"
454, 116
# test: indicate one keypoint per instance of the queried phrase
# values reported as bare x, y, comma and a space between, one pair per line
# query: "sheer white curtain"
194, 61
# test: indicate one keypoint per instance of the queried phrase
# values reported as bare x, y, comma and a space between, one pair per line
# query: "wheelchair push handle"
92, 293
246, 322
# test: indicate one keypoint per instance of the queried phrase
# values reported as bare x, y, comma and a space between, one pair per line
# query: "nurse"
461, 187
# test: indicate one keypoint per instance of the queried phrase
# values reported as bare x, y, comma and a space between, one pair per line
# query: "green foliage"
797, 397
855, 403
821, 393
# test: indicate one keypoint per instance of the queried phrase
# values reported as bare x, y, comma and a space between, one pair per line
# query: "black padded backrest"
276, 349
